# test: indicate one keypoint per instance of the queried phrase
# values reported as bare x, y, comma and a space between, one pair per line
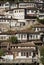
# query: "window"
21, 35
24, 35
23, 24
33, 20
32, 11
27, 10
31, 36
43, 39
6, 4
19, 11
36, 36
0, 4
34, 29
4, 37
24, 53
21, 53
37, 29
1, 37
4, 46
15, 11
11, 12
27, 54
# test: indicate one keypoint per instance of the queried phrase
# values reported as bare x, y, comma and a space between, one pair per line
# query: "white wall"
9, 57
21, 36
19, 13
4, 37
34, 36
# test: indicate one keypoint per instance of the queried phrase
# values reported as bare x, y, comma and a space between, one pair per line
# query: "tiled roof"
28, 49
39, 25
19, 32
38, 42
4, 44
8, 18
26, 44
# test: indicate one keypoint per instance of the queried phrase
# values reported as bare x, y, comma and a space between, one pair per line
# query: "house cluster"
20, 20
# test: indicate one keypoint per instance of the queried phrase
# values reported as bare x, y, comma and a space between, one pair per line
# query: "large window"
36, 36
21, 35
21, 53
24, 35
27, 54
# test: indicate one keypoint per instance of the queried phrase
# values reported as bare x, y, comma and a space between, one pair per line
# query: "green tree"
42, 54
13, 39
40, 20
1, 52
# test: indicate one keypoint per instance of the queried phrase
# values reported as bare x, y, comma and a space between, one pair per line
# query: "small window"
38, 29
0, 4
21, 53
11, 11
27, 10
43, 39
21, 36
19, 11
27, 54
24, 35
36, 36
31, 36
6, 4
24, 53
23, 24
1, 37
15, 11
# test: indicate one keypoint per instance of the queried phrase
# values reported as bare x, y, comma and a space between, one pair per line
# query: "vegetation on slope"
1, 52
13, 40
40, 20
42, 54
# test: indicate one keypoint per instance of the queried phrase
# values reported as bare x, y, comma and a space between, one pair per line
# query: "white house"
8, 57
38, 27
26, 4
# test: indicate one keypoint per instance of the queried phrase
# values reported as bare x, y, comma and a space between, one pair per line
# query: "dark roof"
8, 19
26, 44
39, 25
21, 49
19, 32
2, 15
38, 42
13, 9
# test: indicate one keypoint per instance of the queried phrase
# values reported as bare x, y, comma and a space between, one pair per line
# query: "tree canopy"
13, 39
1, 52
42, 54
40, 20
